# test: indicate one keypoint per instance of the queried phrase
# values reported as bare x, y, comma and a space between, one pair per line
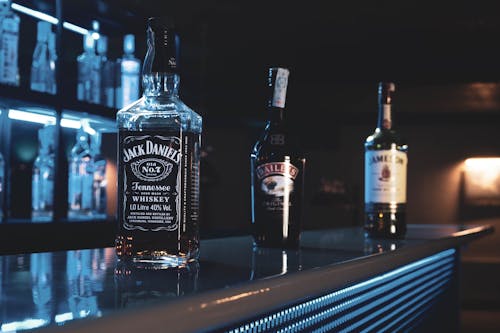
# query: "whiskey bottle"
9, 44
51, 80
128, 75
86, 62
107, 73
158, 164
385, 173
40, 66
80, 176
98, 168
42, 182
277, 174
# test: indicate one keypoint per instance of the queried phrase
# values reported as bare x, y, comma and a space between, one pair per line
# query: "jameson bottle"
158, 163
385, 173
277, 175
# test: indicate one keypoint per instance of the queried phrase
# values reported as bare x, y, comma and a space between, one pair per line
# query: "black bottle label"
276, 182
151, 172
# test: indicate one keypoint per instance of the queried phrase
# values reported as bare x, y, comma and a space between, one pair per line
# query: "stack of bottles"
102, 81
114, 84
86, 181
87, 176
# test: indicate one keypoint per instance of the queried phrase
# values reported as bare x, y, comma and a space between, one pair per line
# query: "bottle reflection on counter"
374, 246
137, 283
41, 285
273, 261
85, 272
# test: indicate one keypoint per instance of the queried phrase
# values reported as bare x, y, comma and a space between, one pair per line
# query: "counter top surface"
41, 289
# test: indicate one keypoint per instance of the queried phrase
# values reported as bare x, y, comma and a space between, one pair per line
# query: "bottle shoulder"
385, 139
275, 144
380, 136
170, 112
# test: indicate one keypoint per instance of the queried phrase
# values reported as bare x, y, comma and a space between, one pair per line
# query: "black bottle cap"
164, 42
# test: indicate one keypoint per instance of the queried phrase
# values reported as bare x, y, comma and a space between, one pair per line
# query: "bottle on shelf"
86, 62
107, 73
129, 68
42, 182
158, 163
277, 174
385, 173
80, 178
95, 67
9, 44
40, 67
98, 165
52, 83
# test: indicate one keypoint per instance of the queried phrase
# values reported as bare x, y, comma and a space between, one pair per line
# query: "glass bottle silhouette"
107, 73
81, 178
277, 174
86, 62
98, 165
9, 44
40, 66
42, 196
385, 173
158, 163
128, 77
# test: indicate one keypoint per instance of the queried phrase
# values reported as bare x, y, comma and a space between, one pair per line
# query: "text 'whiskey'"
277, 174
385, 173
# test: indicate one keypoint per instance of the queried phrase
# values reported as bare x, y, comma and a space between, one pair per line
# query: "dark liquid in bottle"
277, 187
158, 204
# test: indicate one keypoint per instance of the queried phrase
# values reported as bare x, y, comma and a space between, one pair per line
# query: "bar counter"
338, 280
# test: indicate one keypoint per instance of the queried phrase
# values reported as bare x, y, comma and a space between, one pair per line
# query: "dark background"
443, 57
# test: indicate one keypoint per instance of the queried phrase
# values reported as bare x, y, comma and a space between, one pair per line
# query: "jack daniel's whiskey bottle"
385, 173
277, 175
158, 163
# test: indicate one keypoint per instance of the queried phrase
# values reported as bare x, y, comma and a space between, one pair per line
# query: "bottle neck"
160, 86
384, 116
274, 115
160, 78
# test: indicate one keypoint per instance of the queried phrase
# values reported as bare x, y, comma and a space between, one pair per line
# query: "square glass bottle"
158, 162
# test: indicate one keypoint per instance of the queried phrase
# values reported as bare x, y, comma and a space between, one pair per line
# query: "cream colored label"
386, 120
280, 86
385, 176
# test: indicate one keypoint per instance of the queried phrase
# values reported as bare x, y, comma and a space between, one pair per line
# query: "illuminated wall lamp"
482, 181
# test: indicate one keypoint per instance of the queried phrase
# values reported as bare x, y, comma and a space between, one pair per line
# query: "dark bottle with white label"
158, 162
277, 174
385, 173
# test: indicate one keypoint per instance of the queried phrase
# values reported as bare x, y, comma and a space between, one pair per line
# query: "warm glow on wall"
482, 180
